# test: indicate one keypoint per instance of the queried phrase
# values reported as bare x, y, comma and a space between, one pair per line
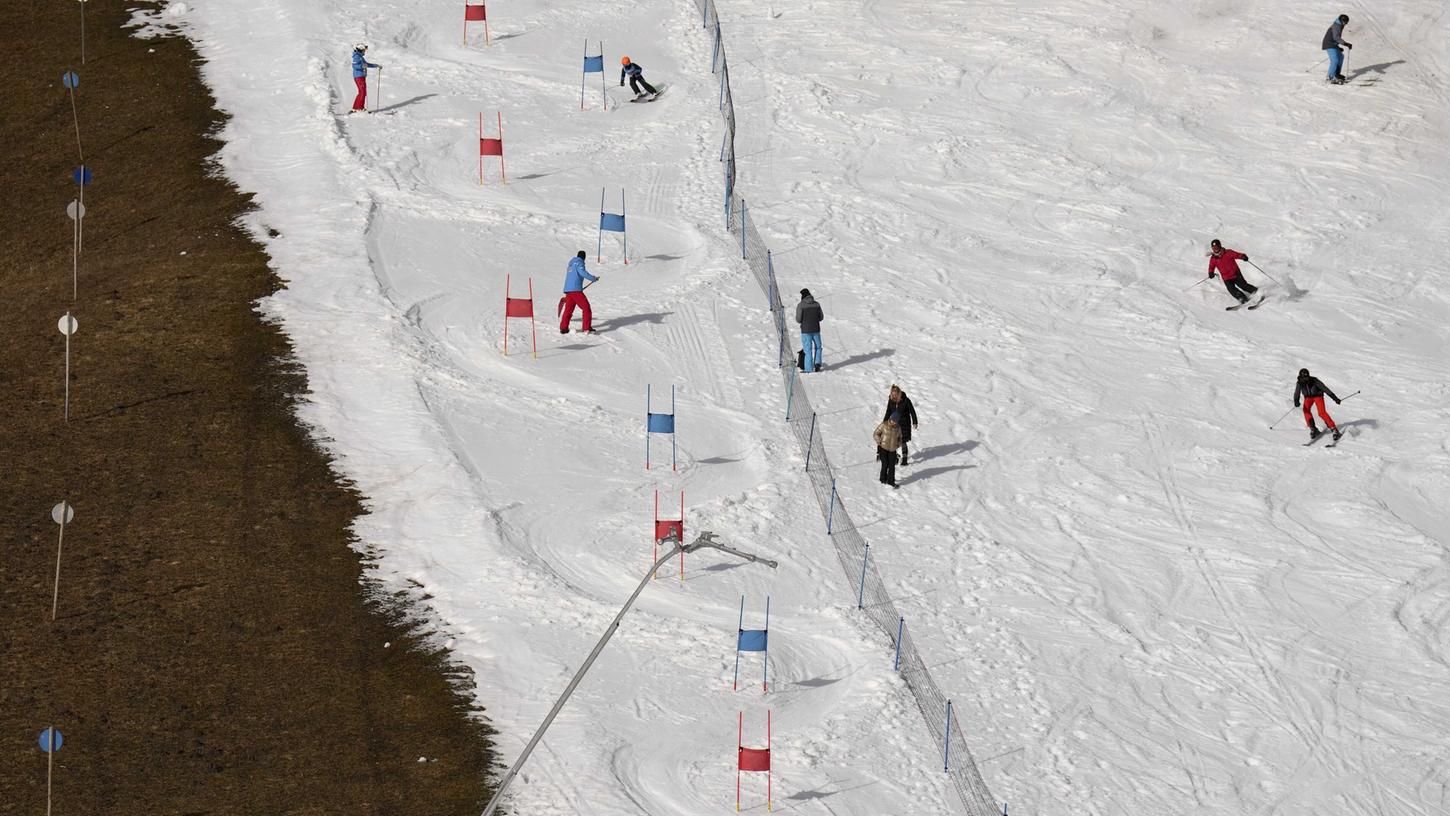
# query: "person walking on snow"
899, 404
1313, 393
574, 295
360, 66
809, 315
888, 439
1224, 262
1333, 39
636, 78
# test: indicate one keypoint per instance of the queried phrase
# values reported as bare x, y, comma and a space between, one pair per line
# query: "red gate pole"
503, 174
506, 291
533, 333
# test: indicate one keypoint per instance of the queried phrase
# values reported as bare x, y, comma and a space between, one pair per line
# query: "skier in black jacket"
1313, 391
898, 403
1333, 39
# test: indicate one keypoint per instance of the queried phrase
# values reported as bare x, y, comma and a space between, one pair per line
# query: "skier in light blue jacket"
360, 66
574, 284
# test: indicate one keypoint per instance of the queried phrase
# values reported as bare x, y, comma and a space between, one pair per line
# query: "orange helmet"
624, 60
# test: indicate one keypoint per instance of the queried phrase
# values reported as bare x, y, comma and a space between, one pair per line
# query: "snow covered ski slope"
1140, 598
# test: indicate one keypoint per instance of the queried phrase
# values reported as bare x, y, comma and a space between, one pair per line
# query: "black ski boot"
1313, 432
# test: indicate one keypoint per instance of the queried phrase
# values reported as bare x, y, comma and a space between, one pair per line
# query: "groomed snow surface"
1141, 599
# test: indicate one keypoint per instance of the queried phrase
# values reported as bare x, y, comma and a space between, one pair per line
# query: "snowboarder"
809, 315
1224, 262
1333, 39
898, 403
1313, 392
888, 439
574, 295
360, 66
636, 78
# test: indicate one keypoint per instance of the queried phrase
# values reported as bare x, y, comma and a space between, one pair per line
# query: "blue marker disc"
81, 175
51, 740
70, 79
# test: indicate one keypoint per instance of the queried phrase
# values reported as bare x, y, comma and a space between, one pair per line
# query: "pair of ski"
1332, 442
1256, 304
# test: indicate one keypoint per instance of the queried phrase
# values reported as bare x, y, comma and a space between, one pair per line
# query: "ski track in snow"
1140, 599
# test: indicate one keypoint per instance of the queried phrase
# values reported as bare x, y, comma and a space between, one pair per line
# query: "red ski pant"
360, 103
1316, 402
572, 299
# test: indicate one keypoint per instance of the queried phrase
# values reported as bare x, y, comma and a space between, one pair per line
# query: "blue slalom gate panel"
753, 640
70, 79
610, 222
594, 65
661, 423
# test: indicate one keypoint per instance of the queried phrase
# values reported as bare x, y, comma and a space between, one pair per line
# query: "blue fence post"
790, 395
727, 199
743, 210
900, 629
810, 441
770, 280
724, 71
947, 741
831, 510
861, 593
715, 55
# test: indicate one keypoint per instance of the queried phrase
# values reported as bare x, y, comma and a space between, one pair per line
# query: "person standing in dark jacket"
900, 404
809, 315
1333, 40
1313, 392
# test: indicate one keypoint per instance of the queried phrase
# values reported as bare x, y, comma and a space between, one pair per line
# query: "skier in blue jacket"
1333, 39
574, 294
636, 78
360, 66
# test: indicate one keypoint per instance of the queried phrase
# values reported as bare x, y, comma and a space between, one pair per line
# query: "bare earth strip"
216, 649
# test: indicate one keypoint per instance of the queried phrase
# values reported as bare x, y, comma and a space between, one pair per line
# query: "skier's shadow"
1378, 69
1368, 424
404, 103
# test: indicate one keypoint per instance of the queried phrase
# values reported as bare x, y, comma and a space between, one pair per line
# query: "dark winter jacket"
631, 69
1334, 37
1311, 387
1226, 263
808, 313
906, 415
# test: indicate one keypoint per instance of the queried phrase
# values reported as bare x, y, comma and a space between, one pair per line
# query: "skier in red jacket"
1225, 263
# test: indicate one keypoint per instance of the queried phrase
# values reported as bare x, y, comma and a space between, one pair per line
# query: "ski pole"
1189, 289
1284, 417
379, 95
1342, 399
1262, 272
1316, 65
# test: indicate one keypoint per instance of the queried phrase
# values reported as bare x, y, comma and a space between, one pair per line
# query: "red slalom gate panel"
475, 14
491, 147
518, 307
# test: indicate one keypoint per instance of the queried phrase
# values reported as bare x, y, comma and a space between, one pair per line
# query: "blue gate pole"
900, 628
742, 227
861, 593
947, 741
831, 511
810, 440
727, 198
723, 72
